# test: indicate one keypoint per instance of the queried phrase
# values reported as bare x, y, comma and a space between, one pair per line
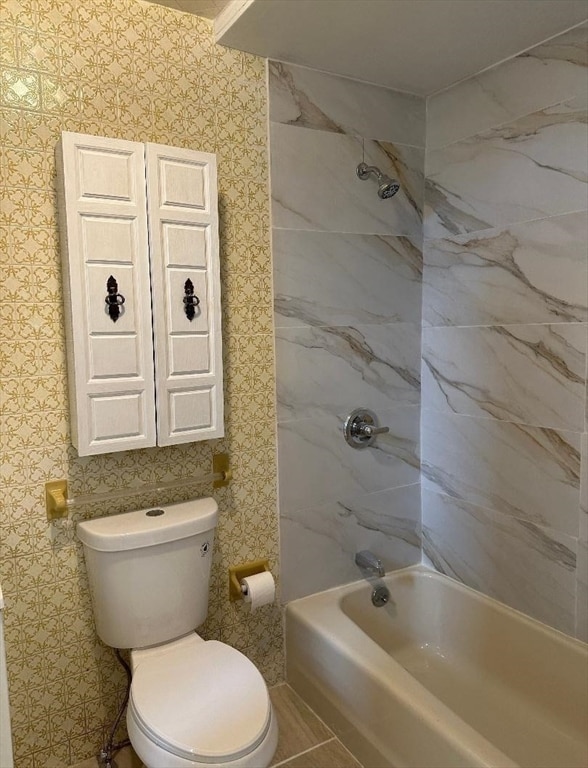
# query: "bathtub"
440, 677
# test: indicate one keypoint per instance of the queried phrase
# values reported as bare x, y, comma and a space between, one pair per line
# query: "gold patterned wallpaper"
139, 71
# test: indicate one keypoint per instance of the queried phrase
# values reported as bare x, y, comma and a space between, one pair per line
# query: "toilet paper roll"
259, 589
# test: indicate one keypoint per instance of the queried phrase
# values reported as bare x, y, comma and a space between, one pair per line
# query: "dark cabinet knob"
191, 301
114, 300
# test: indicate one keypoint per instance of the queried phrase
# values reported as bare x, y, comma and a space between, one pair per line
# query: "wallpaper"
132, 70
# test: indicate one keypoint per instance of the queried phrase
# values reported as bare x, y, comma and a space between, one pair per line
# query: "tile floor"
305, 741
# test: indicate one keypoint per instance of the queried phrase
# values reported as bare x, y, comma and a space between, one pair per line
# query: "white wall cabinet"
139, 232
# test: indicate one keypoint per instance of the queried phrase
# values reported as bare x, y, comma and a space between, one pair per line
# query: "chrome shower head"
387, 187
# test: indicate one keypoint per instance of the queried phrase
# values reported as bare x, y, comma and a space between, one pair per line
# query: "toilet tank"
149, 571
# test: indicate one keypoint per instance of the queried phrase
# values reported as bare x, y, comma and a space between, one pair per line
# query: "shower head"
387, 187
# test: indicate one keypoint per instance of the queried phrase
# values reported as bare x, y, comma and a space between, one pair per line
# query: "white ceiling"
207, 8
420, 46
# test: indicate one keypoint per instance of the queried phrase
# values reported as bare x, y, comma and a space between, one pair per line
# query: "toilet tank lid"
147, 527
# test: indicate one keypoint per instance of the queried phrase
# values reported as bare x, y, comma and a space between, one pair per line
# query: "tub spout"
367, 561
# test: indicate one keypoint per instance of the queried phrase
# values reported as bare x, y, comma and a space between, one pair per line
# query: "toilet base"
154, 756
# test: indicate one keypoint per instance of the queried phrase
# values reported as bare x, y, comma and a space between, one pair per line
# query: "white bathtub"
442, 676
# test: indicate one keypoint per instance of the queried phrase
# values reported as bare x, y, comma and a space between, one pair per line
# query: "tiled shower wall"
505, 333
347, 286
138, 71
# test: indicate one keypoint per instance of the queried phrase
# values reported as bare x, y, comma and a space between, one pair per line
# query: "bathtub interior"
520, 685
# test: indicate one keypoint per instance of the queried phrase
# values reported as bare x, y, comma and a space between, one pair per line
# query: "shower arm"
364, 170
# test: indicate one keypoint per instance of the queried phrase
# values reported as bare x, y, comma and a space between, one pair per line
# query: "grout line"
410, 236
347, 133
410, 94
468, 235
320, 719
481, 417
304, 752
521, 521
350, 753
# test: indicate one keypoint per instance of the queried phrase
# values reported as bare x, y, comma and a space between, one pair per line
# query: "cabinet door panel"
183, 233
116, 416
109, 239
189, 355
106, 173
190, 410
114, 361
184, 180
185, 244
102, 203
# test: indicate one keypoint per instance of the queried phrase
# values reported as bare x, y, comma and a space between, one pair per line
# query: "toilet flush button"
155, 512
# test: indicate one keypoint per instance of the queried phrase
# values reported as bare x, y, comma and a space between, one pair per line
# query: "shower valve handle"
361, 427
369, 430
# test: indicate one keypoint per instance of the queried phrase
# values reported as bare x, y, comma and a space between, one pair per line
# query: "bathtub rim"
431, 573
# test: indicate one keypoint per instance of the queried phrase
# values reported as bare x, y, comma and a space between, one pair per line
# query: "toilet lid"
203, 702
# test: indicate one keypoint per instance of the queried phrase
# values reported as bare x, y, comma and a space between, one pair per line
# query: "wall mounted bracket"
56, 499
220, 466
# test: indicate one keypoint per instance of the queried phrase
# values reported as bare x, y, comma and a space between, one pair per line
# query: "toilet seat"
204, 702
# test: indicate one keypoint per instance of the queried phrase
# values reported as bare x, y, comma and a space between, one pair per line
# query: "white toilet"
193, 703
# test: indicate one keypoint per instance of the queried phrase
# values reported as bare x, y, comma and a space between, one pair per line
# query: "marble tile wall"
139, 71
505, 333
347, 299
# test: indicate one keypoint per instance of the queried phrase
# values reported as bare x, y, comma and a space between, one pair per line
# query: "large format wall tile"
319, 544
316, 465
311, 99
509, 275
505, 300
586, 398
584, 490
526, 472
541, 77
533, 374
315, 186
582, 567
582, 592
347, 300
528, 567
335, 369
327, 278
534, 167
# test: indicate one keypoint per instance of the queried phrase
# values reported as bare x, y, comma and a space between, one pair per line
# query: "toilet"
193, 703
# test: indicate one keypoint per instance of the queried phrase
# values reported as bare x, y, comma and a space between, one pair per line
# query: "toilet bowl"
193, 703
199, 703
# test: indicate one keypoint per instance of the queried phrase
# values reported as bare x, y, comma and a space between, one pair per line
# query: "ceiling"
207, 8
419, 46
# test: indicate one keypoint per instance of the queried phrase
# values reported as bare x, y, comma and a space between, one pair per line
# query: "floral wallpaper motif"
128, 69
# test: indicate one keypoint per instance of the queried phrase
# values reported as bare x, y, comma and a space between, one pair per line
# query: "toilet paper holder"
238, 572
